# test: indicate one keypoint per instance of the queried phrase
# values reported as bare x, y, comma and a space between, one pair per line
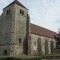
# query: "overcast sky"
45, 13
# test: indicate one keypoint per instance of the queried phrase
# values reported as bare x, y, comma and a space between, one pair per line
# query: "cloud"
45, 13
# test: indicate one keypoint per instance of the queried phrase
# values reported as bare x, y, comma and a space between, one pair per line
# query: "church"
20, 37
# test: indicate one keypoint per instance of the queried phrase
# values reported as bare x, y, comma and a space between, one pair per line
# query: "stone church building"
20, 37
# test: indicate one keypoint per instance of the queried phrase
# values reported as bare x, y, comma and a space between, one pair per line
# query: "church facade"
20, 37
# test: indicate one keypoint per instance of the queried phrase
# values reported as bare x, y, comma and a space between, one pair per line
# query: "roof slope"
18, 3
42, 31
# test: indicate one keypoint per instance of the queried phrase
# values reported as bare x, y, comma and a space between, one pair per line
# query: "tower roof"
16, 2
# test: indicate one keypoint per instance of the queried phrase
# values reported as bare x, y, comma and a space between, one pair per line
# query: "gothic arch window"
5, 52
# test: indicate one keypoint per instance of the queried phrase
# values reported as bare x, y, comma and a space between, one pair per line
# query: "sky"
44, 13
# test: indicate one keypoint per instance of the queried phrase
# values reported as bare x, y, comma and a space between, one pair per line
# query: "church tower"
15, 29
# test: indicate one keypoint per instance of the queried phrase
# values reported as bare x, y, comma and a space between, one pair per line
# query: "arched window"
5, 52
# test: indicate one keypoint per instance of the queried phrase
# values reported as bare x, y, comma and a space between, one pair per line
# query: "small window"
19, 40
8, 11
21, 12
34, 43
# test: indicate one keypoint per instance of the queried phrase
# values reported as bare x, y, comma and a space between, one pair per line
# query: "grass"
20, 58
24, 57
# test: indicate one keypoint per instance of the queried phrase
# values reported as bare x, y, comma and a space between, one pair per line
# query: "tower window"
19, 40
8, 11
21, 12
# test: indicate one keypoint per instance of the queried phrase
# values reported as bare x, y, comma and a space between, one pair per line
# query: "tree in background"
58, 40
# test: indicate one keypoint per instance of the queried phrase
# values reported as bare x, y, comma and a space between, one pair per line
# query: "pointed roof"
16, 2
42, 31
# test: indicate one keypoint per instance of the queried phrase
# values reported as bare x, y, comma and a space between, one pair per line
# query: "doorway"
5, 52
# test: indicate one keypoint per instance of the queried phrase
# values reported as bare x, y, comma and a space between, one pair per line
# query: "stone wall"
41, 45
13, 29
6, 26
20, 29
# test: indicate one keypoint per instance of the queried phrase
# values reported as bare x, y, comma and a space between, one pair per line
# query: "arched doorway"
5, 52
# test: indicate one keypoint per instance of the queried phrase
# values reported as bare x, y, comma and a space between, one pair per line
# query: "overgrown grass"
20, 58
27, 57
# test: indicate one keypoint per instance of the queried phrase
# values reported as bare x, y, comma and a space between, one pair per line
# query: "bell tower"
15, 29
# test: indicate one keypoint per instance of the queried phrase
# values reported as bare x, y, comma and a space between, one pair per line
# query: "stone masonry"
16, 37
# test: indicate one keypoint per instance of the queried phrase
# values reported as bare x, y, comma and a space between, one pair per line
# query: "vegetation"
29, 57
20, 58
58, 40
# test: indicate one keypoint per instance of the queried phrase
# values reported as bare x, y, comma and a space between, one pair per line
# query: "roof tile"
42, 31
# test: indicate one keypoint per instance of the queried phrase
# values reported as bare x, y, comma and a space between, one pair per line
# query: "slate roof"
42, 31
16, 2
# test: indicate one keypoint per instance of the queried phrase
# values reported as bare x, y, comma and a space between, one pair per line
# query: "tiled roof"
18, 3
42, 31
